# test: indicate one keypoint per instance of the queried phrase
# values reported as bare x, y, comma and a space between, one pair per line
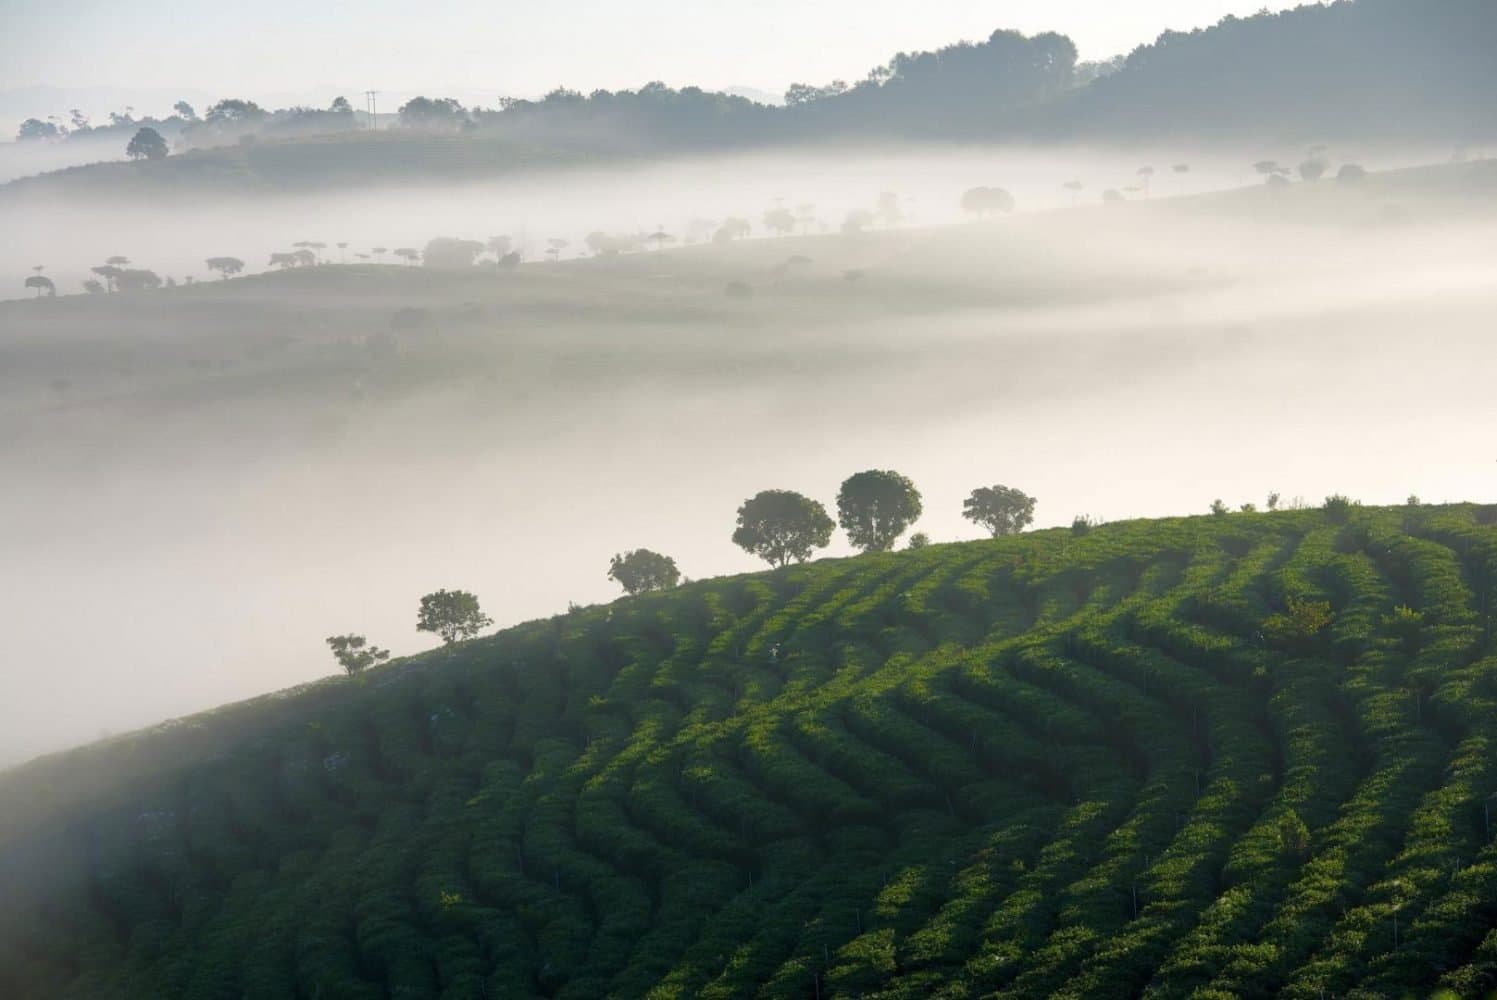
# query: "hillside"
1389, 72
1050, 765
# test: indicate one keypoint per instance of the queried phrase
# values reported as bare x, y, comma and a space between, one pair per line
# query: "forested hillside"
1239, 755
1388, 71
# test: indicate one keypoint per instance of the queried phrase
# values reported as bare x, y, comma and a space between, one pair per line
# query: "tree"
424, 112
857, 220
185, 111
876, 507
34, 129
408, 254
41, 284
109, 272
340, 106
227, 267
1002, 510
1075, 187
117, 261
354, 654
1082, 524
919, 540
137, 280
641, 571
1145, 178
1273, 501
1351, 173
732, 229
235, 112
555, 246
780, 220
452, 614
780, 525
447, 253
93, 287
1218, 508
1338, 508
985, 201
147, 145
1313, 169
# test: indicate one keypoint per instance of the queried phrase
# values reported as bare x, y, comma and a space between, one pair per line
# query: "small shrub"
1218, 508
1294, 836
919, 540
1406, 626
1338, 508
1301, 621
1082, 525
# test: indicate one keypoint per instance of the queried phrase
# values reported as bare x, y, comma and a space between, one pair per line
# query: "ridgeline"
1246, 755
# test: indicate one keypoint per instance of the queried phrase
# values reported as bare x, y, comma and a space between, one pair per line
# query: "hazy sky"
290, 46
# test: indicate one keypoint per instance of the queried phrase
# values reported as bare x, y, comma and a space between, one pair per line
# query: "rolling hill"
1144, 760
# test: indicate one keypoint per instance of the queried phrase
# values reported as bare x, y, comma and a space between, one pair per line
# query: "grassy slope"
1040, 766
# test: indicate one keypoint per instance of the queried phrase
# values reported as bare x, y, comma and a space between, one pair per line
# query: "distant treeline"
1391, 69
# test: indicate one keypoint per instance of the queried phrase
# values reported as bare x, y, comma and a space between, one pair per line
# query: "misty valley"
1108, 609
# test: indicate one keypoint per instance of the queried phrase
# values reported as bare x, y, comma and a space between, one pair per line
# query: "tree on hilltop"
452, 614
780, 525
642, 570
354, 653
876, 507
1002, 510
147, 145
227, 267
985, 201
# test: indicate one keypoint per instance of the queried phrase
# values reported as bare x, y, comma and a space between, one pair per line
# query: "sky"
482, 50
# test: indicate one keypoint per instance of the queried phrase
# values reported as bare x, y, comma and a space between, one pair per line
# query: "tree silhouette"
41, 284
450, 254
779, 526
1075, 187
780, 220
408, 254
226, 267
147, 145
1145, 178
109, 272
137, 280
985, 201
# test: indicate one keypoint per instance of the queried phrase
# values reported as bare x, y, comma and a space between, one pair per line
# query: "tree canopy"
1002, 510
876, 507
781, 526
354, 653
147, 145
642, 570
453, 615
227, 267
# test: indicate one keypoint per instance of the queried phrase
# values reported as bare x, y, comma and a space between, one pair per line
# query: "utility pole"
371, 106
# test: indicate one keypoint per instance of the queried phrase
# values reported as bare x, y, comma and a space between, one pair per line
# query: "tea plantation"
1248, 755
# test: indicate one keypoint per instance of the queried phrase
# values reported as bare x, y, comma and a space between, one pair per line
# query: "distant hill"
1243, 755
1370, 70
